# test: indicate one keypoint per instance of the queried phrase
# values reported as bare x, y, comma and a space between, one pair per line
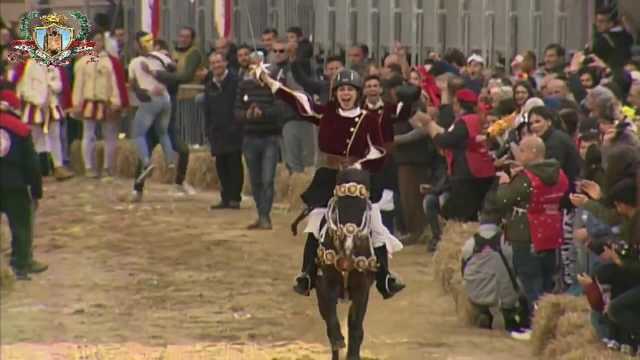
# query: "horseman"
346, 133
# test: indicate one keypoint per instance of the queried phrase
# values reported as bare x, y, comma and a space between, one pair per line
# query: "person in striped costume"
44, 91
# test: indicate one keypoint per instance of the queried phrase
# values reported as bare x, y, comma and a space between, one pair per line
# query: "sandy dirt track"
168, 279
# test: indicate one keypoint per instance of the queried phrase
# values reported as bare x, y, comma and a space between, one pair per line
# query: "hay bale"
126, 159
161, 172
5, 234
446, 260
572, 328
551, 308
281, 182
202, 172
6, 276
298, 183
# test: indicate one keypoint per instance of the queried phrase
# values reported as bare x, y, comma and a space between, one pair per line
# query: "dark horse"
346, 260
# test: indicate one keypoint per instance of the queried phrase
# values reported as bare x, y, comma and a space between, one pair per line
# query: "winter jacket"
412, 150
517, 194
250, 92
613, 47
223, 132
485, 275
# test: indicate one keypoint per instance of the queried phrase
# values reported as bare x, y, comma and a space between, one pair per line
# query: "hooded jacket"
485, 274
517, 194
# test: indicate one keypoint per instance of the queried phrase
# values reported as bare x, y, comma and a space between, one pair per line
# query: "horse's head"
349, 218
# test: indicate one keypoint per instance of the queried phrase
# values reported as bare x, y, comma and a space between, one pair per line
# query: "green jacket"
517, 194
188, 63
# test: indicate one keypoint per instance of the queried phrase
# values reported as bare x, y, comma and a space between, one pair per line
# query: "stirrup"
298, 288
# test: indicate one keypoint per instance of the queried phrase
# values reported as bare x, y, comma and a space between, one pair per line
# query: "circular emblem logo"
5, 142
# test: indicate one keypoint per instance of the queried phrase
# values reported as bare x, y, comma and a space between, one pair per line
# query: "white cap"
476, 58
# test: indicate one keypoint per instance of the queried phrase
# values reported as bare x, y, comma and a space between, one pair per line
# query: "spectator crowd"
544, 156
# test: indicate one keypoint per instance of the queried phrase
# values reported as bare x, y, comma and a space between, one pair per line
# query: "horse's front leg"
327, 304
357, 311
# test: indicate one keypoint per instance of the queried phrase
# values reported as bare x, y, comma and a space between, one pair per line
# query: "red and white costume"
44, 91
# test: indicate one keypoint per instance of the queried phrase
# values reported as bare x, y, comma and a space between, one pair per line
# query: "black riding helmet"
347, 77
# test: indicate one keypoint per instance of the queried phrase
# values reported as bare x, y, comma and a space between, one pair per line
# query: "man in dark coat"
20, 185
611, 42
223, 132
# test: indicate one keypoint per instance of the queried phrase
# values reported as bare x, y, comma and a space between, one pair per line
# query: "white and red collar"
356, 111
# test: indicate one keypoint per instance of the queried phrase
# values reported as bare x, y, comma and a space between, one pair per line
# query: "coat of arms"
52, 39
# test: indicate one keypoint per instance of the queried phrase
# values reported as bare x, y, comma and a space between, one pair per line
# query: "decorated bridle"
348, 232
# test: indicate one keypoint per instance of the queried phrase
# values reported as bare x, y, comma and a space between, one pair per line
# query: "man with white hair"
606, 108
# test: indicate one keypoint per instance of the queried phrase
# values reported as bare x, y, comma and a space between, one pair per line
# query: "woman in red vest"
470, 166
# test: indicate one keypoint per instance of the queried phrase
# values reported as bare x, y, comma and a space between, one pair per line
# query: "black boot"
510, 317
387, 284
306, 279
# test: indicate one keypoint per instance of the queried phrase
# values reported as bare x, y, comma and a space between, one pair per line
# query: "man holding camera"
533, 193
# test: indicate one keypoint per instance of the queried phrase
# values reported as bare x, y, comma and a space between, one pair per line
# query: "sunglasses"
279, 51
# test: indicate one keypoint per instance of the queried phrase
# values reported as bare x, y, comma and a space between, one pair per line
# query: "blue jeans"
261, 155
156, 113
535, 270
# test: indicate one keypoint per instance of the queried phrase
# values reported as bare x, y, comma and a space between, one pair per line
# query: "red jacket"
477, 155
543, 212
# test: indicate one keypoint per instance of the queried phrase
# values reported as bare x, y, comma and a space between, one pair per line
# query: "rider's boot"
306, 279
386, 283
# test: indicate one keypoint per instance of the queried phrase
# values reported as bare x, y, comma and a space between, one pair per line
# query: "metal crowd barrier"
190, 122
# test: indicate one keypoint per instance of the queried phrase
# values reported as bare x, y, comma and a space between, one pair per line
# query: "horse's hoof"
338, 345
